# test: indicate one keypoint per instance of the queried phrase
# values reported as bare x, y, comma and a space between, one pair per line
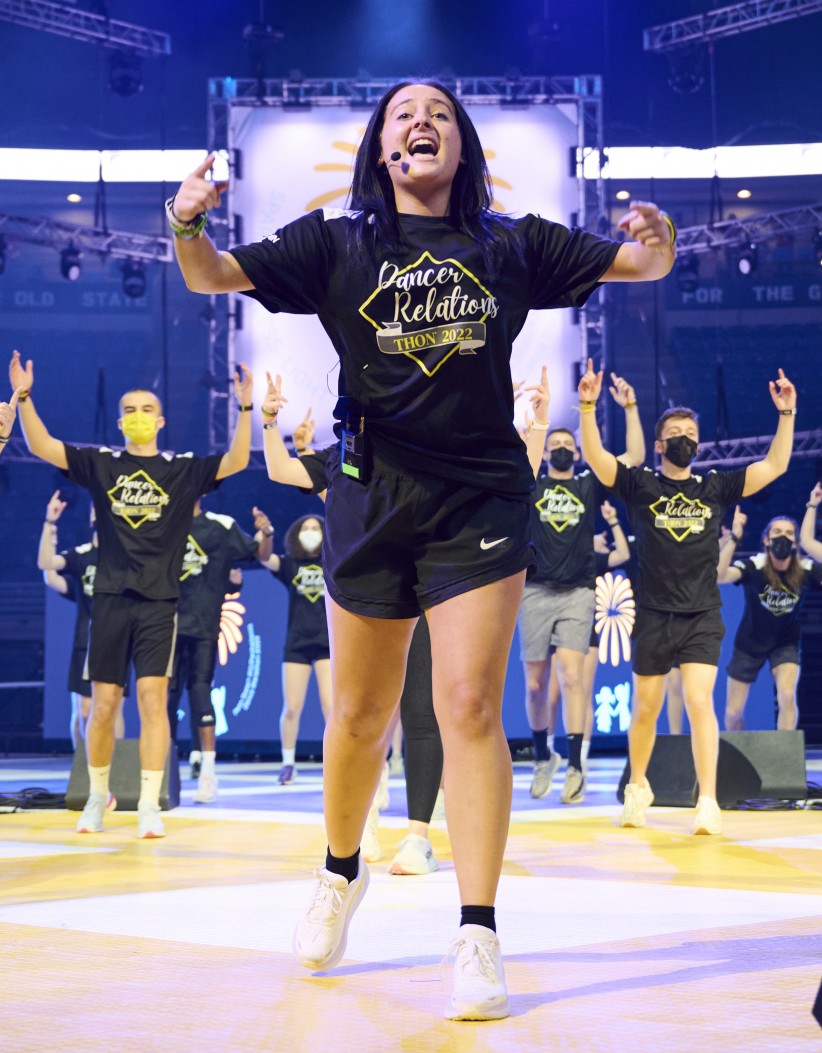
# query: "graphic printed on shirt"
309, 582
563, 519
680, 515
137, 498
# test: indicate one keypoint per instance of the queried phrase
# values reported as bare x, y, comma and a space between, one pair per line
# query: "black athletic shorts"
401, 544
306, 654
77, 684
661, 637
745, 667
127, 628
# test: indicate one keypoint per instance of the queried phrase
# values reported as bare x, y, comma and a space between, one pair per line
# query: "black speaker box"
752, 765
124, 781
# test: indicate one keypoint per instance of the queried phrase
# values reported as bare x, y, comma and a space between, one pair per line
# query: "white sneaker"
206, 789
322, 932
370, 845
479, 980
708, 818
573, 789
396, 766
381, 797
544, 772
149, 823
91, 821
414, 856
638, 799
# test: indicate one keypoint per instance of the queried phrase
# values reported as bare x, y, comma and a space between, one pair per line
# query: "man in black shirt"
676, 518
143, 501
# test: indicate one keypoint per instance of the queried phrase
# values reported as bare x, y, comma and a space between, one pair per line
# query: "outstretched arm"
282, 467
538, 426
621, 551
47, 556
625, 396
205, 269
8, 412
38, 440
725, 573
236, 457
807, 532
264, 535
776, 460
603, 464
651, 253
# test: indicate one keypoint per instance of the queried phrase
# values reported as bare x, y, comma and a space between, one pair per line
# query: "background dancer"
428, 505
676, 518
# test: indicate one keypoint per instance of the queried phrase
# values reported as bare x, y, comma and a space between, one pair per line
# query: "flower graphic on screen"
614, 617
350, 149
231, 624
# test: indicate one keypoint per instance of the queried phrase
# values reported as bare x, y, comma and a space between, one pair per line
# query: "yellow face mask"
139, 427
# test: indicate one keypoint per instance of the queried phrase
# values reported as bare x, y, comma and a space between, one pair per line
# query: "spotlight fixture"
70, 258
747, 260
2, 255
623, 195
74, 198
687, 274
134, 279
817, 245
125, 74
743, 194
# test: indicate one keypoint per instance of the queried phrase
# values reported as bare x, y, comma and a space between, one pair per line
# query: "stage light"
623, 195
134, 279
2, 255
743, 195
75, 199
687, 274
70, 267
125, 74
747, 260
817, 246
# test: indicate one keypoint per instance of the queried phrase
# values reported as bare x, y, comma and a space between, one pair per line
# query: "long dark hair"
372, 193
292, 544
794, 576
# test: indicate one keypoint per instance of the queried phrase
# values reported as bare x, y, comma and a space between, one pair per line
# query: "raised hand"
541, 398
243, 384
816, 495
274, 400
198, 194
609, 513
739, 522
590, 384
21, 377
304, 432
261, 520
8, 412
622, 391
783, 392
646, 224
55, 507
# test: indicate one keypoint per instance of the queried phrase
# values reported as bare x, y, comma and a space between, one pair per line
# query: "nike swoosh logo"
492, 544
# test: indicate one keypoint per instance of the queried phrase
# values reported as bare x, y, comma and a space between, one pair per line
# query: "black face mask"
781, 547
680, 450
561, 458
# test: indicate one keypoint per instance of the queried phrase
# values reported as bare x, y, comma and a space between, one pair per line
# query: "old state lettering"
194, 559
560, 508
680, 515
309, 582
428, 311
137, 498
778, 601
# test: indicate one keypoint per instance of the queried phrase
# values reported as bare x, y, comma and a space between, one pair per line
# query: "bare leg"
536, 697
570, 681
470, 639
675, 702
736, 695
295, 685
649, 694
589, 672
208, 738
786, 676
322, 671
106, 700
554, 697
155, 734
119, 720
698, 682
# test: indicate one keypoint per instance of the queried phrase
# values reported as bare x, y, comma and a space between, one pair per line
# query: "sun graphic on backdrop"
614, 617
231, 624
351, 150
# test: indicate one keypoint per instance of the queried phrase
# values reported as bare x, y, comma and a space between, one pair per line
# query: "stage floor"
652, 938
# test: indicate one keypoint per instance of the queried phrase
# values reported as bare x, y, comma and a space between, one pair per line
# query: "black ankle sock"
348, 867
541, 749
479, 916
575, 751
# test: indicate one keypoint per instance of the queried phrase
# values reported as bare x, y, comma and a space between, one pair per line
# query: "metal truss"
748, 231
734, 452
228, 93
114, 243
78, 24
726, 22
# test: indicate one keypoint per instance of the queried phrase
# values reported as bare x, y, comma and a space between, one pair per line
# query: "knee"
535, 684
357, 716
468, 713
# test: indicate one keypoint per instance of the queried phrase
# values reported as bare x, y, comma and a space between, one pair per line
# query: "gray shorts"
552, 617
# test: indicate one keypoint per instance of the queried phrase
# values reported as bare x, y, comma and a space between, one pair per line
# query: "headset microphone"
404, 166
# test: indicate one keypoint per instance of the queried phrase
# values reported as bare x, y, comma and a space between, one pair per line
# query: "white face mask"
310, 539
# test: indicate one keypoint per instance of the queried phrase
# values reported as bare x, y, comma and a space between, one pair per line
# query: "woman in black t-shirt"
421, 289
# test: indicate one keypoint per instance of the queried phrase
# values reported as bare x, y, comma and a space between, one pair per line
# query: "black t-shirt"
307, 625
143, 507
214, 544
676, 523
563, 518
320, 466
424, 335
770, 618
79, 571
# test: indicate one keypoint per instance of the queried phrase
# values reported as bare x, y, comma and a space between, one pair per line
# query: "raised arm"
263, 535
625, 396
38, 440
807, 532
238, 453
621, 551
725, 573
205, 269
282, 467
304, 434
776, 460
651, 253
8, 413
48, 557
603, 464
538, 426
